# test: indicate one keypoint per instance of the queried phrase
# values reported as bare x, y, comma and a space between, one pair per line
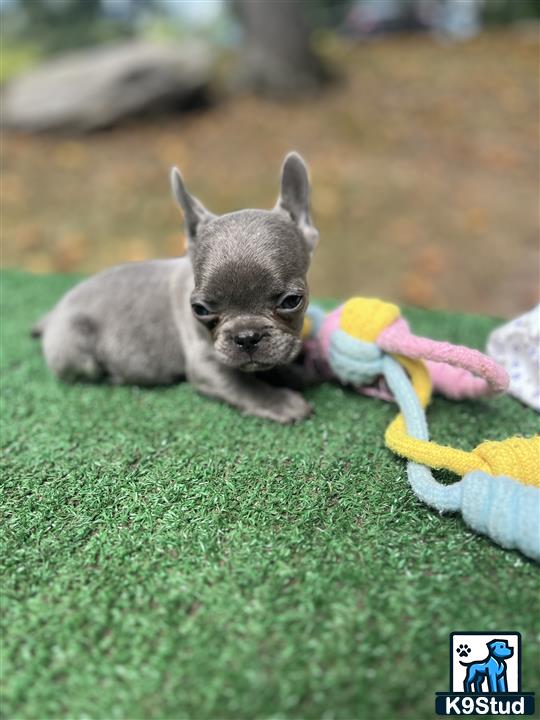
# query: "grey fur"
135, 323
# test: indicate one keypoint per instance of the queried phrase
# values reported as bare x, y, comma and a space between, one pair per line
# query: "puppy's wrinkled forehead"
242, 285
246, 253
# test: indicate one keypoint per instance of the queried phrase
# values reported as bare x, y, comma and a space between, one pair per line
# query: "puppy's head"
250, 272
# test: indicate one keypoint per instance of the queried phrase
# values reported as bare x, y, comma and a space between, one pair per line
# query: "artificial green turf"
165, 557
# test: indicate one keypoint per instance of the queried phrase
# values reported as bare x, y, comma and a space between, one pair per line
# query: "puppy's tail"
39, 328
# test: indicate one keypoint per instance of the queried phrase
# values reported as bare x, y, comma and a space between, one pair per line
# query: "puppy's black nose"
247, 340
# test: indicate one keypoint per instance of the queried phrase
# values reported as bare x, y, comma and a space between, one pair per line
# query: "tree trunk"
278, 59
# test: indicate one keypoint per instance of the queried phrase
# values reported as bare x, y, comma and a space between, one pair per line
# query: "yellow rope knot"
365, 318
516, 457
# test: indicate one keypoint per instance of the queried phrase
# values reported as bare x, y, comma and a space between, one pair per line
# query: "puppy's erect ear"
195, 214
294, 197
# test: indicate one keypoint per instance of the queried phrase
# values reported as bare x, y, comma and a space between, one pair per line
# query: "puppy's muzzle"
248, 340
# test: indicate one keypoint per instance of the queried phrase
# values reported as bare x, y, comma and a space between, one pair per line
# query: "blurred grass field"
164, 557
423, 159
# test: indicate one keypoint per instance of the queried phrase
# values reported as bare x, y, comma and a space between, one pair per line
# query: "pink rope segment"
457, 371
331, 323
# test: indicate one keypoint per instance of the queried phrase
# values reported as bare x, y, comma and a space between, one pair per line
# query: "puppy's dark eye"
199, 310
290, 302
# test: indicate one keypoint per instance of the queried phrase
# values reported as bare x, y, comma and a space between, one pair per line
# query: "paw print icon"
463, 650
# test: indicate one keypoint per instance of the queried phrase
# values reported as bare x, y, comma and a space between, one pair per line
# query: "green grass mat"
165, 557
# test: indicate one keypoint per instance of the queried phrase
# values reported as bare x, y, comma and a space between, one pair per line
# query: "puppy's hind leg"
70, 347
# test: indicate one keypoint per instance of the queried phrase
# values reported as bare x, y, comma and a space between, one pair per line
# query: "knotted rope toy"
366, 340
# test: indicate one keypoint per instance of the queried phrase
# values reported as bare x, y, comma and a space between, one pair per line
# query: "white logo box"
477, 642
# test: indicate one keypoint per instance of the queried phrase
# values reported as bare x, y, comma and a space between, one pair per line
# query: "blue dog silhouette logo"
485, 676
492, 668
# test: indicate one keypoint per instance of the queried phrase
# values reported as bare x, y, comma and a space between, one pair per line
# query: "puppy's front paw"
284, 406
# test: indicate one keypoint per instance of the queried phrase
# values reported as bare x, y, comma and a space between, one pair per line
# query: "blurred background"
418, 118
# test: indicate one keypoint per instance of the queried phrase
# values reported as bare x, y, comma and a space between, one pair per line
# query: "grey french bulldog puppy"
233, 306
